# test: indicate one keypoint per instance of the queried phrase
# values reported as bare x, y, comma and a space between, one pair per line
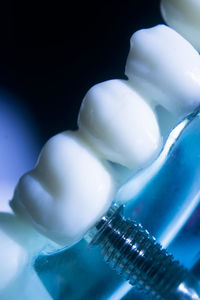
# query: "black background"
52, 53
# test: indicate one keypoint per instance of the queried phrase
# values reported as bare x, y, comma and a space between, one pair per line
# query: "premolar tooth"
119, 124
183, 16
165, 68
67, 192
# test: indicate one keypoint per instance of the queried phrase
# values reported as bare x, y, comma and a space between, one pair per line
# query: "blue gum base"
168, 206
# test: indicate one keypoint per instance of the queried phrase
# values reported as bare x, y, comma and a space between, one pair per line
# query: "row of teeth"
123, 122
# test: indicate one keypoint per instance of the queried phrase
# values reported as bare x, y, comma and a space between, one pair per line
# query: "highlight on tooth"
184, 17
165, 69
67, 192
119, 124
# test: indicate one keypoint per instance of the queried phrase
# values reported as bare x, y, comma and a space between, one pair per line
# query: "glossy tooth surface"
183, 16
119, 124
67, 192
165, 69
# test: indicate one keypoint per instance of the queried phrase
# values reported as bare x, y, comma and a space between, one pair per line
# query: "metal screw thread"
134, 254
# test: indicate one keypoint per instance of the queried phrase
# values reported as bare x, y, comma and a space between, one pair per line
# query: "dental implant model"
123, 125
117, 123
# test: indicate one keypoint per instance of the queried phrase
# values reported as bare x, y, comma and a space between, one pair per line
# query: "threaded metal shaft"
133, 253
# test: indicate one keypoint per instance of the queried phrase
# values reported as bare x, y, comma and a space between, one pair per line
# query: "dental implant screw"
136, 256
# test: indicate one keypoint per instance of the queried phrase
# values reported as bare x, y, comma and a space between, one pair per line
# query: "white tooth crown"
72, 185
119, 124
165, 69
67, 192
184, 17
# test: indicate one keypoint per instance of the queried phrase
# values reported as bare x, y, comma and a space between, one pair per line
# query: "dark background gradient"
51, 54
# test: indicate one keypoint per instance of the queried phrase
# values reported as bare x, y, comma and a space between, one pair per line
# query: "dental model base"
169, 208
130, 250
135, 255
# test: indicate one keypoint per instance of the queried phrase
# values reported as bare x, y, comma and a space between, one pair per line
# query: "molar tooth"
165, 69
67, 192
183, 16
119, 124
